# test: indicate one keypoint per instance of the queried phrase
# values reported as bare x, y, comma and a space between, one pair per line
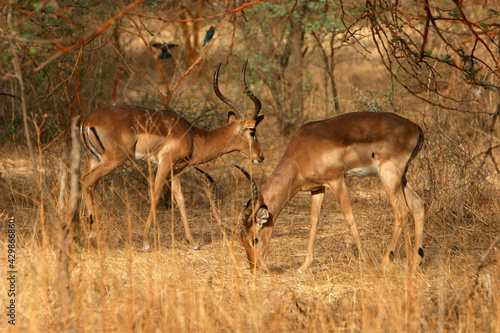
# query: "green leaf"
36, 6
492, 12
455, 13
26, 35
40, 78
7, 56
33, 51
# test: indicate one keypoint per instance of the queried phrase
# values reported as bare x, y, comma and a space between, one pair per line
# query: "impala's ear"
231, 116
262, 216
258, 119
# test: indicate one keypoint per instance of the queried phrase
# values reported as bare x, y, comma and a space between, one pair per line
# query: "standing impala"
115, 134
320, 155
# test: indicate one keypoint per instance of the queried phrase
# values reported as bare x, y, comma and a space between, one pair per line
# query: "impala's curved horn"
214, 199
256, 101
223, 98
255, 190
212, 185
245, 218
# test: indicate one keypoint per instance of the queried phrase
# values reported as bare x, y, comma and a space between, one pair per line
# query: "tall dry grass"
176, 289
180, 290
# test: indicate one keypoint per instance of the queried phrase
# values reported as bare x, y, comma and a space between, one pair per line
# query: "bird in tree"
209, 35
164, 49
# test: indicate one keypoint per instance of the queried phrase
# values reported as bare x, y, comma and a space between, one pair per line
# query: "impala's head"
250, 230
254, 230
255, 236
245, 140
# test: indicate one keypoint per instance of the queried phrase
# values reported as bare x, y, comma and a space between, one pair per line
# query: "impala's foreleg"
156, 190
179, 199
316, 201
339, 188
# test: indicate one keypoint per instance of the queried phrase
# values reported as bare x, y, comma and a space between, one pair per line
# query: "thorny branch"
231, 12
83, 41
405, 35
399, 42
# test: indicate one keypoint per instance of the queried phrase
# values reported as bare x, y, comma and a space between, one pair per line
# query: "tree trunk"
296, 115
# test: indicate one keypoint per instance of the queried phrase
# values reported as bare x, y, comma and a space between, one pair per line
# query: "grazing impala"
320, 155
115, 134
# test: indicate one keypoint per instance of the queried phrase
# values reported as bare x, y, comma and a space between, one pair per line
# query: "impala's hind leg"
89, 181
417, 209
181, 203
391, 175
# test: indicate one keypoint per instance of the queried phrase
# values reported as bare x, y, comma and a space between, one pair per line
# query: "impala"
321, 154
115, 134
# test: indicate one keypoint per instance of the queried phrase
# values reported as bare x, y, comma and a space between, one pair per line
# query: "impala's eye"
252, 133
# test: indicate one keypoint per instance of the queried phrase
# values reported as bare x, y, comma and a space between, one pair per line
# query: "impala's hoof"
197, 246
93, 241
305, 266
145, 248
387, 259
418, 258
301, 271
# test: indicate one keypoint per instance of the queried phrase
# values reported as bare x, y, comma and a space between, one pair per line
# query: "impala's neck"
281, 186
210, 144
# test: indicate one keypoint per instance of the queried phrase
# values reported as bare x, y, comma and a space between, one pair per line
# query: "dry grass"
177, 289
174, 288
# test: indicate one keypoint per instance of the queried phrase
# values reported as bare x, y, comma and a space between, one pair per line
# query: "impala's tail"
417, 148
85, 134
418, 235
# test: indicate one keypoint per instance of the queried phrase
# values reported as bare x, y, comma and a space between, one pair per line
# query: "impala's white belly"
370, 170
139, 156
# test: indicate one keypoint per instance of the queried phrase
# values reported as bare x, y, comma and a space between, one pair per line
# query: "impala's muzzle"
255, 159
258, 160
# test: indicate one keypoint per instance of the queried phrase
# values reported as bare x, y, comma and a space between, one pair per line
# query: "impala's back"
350, 145
127, 131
